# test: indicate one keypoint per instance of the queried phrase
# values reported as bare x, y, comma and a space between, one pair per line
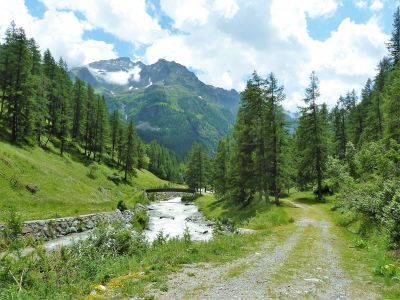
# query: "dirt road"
299, 261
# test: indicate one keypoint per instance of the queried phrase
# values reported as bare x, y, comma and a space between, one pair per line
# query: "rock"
100, 288
167, 217
245, 231
32, 188
26, 230
312, 280
204, 232
103, 190
90, 224
139, 206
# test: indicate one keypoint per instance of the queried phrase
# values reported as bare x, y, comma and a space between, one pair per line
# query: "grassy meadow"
67, 185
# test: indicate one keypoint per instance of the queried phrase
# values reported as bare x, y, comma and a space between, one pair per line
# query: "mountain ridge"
166, 100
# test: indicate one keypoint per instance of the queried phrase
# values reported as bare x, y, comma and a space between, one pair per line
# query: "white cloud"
14, 11
376, 5
126, 19
224, 39
361, 3
60, 31
275, 38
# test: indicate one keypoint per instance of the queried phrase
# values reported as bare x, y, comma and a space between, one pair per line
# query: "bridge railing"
170, 190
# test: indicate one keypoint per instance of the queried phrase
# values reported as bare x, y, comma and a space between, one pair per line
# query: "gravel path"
303, 264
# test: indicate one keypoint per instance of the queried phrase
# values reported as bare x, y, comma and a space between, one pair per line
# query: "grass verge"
121, 262
65, 185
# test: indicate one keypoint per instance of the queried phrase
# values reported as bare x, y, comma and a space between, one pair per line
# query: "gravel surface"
304, 265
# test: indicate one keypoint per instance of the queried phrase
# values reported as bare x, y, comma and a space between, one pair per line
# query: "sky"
222, 41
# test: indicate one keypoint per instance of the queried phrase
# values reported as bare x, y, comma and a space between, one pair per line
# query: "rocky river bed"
173, 216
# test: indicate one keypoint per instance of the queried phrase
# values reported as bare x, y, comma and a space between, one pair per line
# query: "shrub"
160, 239
121, 205
190, 198
186, 236
112, 240
391, 217
114, 177
140, 219
13, 230
93, 171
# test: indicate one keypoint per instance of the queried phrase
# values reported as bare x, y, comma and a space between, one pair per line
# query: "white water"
172, 216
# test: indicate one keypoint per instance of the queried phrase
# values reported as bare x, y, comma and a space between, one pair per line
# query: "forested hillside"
351, 150
167, 101
41, 105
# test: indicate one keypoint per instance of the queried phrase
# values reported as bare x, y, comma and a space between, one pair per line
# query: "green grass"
65, 189
170, 257
125, 274
362, 255
371, 248
214, 208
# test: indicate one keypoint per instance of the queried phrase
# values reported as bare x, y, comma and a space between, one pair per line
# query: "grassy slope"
170, 257
64, 185
360, 263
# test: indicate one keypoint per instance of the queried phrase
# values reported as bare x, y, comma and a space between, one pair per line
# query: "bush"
112, 240
140, 219
114, 177
122, 206
13, 231
391, 218
190, 198
93, 171
379, 204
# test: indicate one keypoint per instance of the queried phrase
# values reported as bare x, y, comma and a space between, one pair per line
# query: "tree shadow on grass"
307, 200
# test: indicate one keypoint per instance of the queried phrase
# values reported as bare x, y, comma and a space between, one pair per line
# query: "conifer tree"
220, 172
276, 135
101, 131
394, 43
115, 120
340, 125
311, 143
79, 102
19, 88
392, 107
197, 167
50, 73
89, 120
120, 145
64, 87
130, 152
248, 168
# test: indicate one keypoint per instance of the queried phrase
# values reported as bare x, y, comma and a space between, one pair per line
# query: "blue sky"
223, 40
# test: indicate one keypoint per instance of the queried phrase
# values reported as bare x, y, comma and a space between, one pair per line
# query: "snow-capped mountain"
168, 102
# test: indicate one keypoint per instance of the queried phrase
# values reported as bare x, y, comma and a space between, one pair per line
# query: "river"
169, 216
173, 216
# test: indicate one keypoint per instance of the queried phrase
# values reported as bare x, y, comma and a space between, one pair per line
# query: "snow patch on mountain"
150, 83
117, 77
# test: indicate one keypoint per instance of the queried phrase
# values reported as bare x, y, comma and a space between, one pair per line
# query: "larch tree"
311, 138
275, 135
220, 172
130, 152
394, 43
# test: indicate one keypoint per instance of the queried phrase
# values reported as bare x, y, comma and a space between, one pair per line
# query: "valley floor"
308, 259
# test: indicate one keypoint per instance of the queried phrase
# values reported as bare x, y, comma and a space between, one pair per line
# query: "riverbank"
116, 263
309, 258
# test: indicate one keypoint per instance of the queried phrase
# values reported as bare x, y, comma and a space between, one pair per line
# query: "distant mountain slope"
167, 101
